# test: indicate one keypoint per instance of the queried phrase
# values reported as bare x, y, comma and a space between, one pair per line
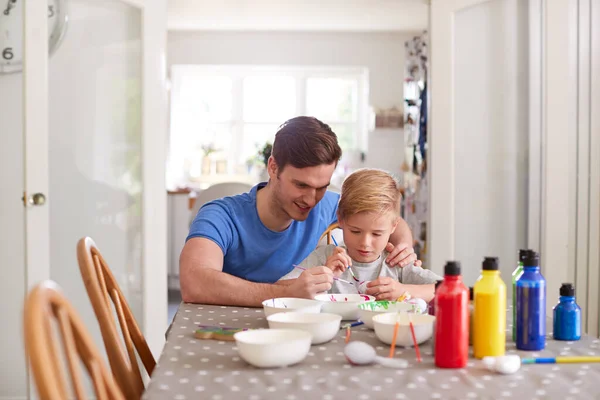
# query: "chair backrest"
217, 191
102, 289
329, 233
44, 304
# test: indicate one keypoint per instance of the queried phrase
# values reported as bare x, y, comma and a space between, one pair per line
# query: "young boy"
368, 213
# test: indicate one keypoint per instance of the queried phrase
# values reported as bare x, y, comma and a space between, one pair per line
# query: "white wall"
381, 53
491, 134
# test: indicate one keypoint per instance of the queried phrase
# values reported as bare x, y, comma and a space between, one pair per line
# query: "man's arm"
202, 280
401, 247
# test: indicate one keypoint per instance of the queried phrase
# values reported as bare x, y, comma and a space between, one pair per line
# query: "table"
206, 369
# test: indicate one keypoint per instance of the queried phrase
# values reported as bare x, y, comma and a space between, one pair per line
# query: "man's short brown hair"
305, 142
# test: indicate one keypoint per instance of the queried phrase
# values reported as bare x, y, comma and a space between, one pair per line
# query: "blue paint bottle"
531, 305
567, 315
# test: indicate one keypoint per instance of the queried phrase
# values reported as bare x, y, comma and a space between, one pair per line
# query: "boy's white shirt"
409, 274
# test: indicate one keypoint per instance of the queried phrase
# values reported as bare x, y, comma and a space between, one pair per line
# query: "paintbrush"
335, 278
349, 267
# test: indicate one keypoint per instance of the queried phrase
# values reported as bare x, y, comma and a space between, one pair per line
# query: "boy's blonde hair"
369, 190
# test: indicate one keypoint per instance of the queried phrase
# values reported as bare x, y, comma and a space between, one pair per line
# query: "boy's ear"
340, 222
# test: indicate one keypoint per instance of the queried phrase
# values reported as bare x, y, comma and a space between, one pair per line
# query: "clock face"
11, 31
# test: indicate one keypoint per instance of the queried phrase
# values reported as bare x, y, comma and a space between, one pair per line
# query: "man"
239, 246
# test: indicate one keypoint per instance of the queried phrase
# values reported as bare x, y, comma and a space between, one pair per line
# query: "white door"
479, 133
90, 129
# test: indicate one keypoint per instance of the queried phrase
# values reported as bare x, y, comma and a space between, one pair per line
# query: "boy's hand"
401, 255
339, 261
385, 288
311, 282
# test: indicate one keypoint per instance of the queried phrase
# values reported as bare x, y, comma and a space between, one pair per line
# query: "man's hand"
311, 282
339, 261
401, 255
385, 288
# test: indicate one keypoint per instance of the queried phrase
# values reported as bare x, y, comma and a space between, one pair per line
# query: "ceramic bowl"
323, 327
366, 311
384, 328
344, 305
271, 348
286, 304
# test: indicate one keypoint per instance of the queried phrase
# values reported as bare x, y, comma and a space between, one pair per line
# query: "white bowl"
323, 327
270, 348
366, 311
384, 328
345, 305
286, 304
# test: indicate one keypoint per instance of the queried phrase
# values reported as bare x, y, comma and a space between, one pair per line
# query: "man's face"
297, 190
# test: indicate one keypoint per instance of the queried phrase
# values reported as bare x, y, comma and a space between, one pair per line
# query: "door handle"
36, 199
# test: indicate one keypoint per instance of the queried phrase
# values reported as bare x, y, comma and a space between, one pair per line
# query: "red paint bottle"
451, 319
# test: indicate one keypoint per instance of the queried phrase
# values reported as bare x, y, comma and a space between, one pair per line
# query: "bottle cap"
532, 259
567, 289
490, 264
452, 268
523, 253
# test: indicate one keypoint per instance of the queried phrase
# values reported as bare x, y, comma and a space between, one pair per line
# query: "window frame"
237, 73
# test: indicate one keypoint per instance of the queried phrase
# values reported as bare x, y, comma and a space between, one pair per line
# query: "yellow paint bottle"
489, 325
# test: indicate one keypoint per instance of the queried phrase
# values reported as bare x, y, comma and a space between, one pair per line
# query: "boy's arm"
418, 282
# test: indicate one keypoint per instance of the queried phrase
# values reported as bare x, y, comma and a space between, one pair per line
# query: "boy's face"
298, 190
367, 233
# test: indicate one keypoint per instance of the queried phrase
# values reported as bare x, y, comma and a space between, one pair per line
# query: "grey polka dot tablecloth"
189, 368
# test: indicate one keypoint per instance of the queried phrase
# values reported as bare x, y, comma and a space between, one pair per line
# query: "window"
221, 116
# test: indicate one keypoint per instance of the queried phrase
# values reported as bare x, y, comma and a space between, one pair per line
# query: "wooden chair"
328, 231
102, 289
46, 303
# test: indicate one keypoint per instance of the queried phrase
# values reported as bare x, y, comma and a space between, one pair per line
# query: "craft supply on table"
508, 364
271, 348
385, 325
561, 360
567, 315
345, 305
414, 338
286, 304
452, 319
323, 327
516, 274
216, 332
361, 353
489, 322
531, 305
366, 311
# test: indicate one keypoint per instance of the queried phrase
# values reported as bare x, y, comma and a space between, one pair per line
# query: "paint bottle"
515, 277
567, 315
489, 322
452, 319
531, 305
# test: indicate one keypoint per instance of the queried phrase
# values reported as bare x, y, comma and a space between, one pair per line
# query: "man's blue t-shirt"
251, 250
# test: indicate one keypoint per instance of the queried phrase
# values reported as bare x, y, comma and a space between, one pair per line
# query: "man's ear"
272, 168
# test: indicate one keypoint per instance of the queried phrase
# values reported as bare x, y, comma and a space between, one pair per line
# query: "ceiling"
299, 15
